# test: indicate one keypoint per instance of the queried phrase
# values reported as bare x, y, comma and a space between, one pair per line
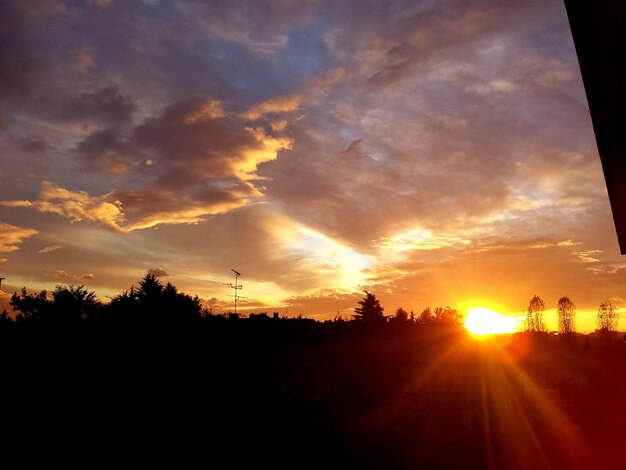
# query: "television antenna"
236, 287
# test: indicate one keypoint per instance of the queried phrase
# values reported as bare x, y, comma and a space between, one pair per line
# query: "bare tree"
607, 318
534, 316
566, 316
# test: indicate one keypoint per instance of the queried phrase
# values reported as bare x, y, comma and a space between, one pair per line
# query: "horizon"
434, 154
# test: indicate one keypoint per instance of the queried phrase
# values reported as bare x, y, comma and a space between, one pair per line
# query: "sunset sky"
434, 152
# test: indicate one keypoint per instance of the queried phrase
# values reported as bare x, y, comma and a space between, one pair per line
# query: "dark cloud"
193, 160
107, 150
108, 105
22, 45
36, 145
191, 148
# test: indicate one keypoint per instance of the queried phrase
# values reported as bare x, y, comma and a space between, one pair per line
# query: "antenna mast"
237, 287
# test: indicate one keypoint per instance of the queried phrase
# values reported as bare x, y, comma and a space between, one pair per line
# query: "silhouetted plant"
152, 300
370, 309
34, 306
534, 315
5, 319
607, 318
426, 317
566, 316
446, 315
71, 303
401, 316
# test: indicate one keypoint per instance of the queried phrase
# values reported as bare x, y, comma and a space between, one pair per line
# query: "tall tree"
370, 309
607, 318
566, 315
534, 316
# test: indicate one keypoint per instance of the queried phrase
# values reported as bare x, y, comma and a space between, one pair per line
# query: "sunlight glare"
483, 321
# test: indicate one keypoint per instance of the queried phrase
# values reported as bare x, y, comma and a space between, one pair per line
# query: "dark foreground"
297, 394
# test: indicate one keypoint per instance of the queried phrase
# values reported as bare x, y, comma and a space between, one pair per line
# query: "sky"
437, 153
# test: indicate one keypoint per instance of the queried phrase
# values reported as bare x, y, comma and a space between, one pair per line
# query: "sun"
483, 321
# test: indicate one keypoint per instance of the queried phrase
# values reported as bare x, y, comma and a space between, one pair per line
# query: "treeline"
153, 302
150, 301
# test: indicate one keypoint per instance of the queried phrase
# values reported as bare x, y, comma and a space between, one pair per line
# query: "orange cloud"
78, 206
49, 249
11, 236
211, 109
267, 150
282, 104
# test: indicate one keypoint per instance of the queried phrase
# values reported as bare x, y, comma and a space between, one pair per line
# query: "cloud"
100, 3
151, 207
203, 163
262, 28
50, 249
36, 145
588, 256
83, 59
12, 236
125, 210
282, 104
107, 104
22, 42
157, 272
75, 206
16, 204
192, 152
312, 89
63, 275
106, 150
494, 86
210, 109
60, 275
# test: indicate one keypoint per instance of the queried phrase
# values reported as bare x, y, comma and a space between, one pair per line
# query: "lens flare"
482, 322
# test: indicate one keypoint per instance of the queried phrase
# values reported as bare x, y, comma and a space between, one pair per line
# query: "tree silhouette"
566, 316
153, 301
68, 304
370, 309
31, 306
446, 315
401, 316
425, 317
534, 316
72, 303
607, 318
